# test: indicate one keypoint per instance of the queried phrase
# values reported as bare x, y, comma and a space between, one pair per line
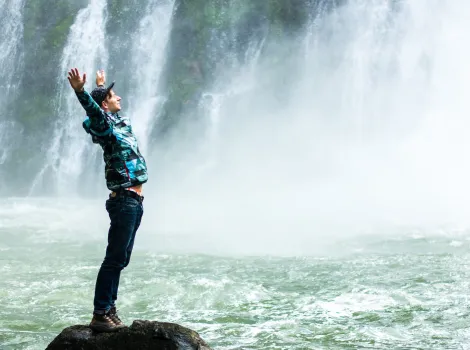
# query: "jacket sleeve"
97, 117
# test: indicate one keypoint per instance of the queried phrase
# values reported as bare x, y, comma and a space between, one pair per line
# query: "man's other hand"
76, 81
100, 77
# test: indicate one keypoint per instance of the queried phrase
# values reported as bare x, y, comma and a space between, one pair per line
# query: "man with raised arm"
125, 172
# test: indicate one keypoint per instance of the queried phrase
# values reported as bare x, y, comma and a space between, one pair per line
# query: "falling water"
10, 48
148, 50
386, 118
71, 155
370, 131
10, 72
70, 148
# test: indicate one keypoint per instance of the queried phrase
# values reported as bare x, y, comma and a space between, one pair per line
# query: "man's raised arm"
98, 121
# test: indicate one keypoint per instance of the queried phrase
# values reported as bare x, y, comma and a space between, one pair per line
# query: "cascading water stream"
86, 50
71, 155
148, 50
10, 72
10, 46
354, 137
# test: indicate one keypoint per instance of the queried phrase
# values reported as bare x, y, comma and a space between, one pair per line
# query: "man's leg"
113, 311
140, 212
123, 213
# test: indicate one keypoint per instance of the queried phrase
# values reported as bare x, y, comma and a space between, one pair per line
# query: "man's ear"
104, 105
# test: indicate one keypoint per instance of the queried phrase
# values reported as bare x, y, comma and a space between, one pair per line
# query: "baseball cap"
99, 94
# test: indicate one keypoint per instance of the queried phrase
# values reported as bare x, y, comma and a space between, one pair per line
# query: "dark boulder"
142, 335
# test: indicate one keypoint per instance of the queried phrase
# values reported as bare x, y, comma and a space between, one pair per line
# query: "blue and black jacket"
124, 164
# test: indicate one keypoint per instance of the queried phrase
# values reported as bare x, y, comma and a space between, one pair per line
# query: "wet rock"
142, 335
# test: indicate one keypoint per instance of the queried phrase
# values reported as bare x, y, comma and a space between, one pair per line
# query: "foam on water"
391, 298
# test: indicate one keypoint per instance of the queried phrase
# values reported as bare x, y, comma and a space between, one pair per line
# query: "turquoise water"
407, 291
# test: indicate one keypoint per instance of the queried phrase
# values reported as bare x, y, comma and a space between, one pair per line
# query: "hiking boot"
112, 314
103, 324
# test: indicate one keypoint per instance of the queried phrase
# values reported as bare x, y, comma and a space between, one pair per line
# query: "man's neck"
107, 111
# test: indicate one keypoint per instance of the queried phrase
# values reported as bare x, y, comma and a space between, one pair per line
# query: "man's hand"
76, 82
100, 78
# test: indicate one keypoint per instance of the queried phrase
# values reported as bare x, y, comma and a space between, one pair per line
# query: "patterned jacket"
124, 164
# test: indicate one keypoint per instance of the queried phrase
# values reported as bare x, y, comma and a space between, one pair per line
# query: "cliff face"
142, 335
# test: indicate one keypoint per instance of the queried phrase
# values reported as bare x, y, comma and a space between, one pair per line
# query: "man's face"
112, 102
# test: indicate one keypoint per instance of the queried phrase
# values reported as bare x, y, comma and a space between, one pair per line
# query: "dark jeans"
125, 214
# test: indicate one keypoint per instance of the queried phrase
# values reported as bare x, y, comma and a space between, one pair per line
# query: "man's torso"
125, 166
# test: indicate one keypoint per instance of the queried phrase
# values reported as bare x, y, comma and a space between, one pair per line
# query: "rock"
141, 335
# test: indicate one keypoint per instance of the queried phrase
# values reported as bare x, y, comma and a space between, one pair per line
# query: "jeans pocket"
113, 204
130, 202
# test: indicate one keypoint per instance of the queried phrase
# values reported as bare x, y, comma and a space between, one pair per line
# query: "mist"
354, 123
368, 135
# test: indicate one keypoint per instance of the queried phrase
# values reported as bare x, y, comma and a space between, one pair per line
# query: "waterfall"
364, 123
10, 72
10, 53
148, 56
86, 49
72, 157
329, 105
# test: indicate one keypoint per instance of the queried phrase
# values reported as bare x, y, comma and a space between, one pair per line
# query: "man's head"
107, 99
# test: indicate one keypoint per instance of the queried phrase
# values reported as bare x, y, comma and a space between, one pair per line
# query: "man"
125, 172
